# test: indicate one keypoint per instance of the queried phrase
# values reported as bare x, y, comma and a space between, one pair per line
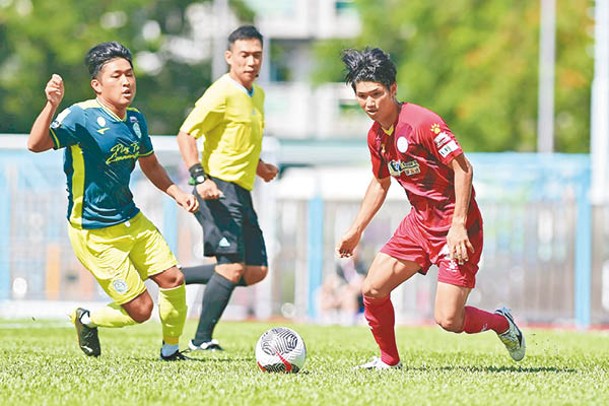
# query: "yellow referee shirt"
232, 121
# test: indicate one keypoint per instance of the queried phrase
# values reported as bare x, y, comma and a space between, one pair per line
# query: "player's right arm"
207, 189
207, 114
188, 149
372, 202
39, 139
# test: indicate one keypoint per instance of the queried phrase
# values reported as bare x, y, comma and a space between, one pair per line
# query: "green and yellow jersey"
101, 152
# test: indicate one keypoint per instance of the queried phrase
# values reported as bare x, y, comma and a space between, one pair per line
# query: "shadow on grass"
223, 359
190, 359
493, 369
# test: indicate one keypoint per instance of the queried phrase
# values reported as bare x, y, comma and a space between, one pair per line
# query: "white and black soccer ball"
280, 349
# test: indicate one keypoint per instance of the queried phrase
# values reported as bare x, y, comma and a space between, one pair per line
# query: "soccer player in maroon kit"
444, 227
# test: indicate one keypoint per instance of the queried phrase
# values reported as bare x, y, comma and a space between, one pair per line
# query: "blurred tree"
170, 40
475, 63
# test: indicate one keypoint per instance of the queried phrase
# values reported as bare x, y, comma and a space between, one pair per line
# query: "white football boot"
212, 345
378, 364
513, 339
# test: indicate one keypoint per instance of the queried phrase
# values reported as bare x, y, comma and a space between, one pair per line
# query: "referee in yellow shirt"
230, 117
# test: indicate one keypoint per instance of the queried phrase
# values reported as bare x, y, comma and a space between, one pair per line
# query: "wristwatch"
200, 179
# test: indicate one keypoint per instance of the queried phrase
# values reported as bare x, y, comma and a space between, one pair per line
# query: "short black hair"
369, 65
244, 32
103, 53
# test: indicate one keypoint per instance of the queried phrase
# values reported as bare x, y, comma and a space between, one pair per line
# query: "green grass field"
40, 363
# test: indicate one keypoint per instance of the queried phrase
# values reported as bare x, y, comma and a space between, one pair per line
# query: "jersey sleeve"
208, 113
263, 96
66, 127
145, 142
379, 165
438, 139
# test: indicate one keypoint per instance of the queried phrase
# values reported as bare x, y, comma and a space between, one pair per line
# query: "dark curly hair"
368, 65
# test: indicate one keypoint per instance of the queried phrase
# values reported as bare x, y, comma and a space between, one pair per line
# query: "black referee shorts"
231, 232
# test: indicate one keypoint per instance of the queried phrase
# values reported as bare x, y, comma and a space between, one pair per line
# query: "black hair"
103, 53
368, 65
244, 32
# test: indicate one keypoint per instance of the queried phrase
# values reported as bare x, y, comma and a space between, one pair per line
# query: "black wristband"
197, 174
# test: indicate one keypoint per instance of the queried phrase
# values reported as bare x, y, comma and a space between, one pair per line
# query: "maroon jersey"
417, 155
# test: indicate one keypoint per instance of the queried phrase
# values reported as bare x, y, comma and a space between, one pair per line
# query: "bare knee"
142, 316
170, 278
370, 290
140, 308
232, 272
451, 324
254, 274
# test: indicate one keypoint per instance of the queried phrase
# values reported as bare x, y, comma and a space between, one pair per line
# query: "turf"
41, 364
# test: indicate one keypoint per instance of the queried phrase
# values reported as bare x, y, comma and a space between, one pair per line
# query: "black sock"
198, 274
201, 274
215, 299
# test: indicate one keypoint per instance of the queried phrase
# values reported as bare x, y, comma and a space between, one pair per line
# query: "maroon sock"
477, 321
381, 318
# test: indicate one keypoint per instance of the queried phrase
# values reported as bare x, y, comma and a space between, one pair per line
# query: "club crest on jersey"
402, 144
435, 128
119, 285
396, 168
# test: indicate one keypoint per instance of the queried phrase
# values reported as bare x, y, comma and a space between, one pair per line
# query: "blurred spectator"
340, 296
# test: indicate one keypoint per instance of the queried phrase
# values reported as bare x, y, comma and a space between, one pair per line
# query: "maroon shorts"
413, 242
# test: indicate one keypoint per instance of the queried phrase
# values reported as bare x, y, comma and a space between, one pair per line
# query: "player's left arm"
158, 176
457, 239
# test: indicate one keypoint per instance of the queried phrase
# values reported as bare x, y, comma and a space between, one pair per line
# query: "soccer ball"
280, 349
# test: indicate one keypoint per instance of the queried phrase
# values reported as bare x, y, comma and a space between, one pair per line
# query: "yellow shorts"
123, 256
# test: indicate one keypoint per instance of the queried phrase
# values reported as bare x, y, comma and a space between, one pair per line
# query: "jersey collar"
250, 93
110, 112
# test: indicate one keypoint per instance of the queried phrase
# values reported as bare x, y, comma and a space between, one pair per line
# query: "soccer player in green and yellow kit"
103, 139
230, 118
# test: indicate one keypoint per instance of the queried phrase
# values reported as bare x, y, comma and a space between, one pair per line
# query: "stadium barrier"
544, 253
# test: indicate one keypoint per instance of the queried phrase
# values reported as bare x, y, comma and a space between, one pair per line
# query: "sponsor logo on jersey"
441, 139
120, 152
136, 129
396, 168
224, 243
448, 148
102, 123
435, 128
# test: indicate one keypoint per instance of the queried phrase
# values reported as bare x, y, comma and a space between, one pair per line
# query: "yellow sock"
111, 315
172, 311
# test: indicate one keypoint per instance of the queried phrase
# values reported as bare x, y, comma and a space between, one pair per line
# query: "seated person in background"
340, 296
